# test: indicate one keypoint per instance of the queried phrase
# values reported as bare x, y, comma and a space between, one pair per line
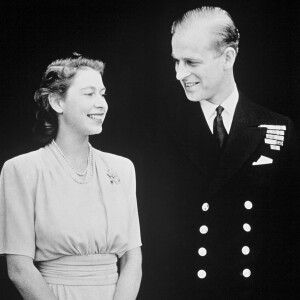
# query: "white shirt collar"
229, 105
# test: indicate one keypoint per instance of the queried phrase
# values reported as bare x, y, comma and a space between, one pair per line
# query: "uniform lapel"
244, 138
195, 138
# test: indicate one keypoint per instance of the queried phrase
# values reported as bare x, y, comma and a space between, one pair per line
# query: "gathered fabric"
95, 269
80, 277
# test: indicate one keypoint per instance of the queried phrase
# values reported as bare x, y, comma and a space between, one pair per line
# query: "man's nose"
181, 71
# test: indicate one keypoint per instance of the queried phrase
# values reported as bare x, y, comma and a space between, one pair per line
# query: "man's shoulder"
262, 114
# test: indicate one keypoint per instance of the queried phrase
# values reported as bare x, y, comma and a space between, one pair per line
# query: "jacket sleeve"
134, 236
17, 235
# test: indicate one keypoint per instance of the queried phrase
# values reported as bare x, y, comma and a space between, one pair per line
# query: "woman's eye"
89, 94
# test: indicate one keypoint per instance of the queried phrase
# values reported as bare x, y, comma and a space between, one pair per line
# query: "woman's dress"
73, 230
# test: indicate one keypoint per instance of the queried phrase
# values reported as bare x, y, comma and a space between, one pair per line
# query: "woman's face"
84, 106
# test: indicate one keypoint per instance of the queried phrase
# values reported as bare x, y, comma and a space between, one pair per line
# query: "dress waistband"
95, 269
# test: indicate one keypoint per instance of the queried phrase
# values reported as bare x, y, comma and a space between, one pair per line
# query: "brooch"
113, 176
274, 136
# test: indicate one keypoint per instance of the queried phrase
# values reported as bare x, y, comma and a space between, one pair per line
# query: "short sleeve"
134, 236
17, 235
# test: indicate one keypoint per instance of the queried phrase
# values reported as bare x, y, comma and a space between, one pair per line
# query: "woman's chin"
96, 131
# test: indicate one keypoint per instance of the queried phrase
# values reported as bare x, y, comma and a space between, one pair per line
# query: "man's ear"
230, 55
56, 103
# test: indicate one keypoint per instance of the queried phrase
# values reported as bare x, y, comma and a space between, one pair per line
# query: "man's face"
198, 67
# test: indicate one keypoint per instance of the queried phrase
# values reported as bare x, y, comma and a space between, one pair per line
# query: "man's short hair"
219, 20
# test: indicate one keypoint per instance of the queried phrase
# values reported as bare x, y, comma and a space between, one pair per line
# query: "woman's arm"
27, 279
130, 275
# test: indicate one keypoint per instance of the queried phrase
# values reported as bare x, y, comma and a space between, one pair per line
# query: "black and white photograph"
149, 150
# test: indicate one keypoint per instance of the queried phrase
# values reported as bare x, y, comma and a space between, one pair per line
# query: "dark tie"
220, 132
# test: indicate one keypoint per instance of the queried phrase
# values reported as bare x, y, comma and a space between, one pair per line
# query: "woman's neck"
76, 149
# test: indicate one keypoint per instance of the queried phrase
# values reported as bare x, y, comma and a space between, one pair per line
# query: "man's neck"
229, 88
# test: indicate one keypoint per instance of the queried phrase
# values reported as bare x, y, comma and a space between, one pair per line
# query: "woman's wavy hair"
56, 80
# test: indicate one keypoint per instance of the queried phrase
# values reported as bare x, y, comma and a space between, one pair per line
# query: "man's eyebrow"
174, 57
186, 58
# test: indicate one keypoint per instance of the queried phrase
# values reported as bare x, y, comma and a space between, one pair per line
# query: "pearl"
90, 164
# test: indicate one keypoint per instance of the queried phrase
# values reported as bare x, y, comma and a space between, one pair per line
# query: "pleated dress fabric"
74, 231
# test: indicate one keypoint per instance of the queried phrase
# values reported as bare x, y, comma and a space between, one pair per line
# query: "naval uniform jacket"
244, 207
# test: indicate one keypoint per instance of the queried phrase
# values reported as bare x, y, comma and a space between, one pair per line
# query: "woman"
67, 210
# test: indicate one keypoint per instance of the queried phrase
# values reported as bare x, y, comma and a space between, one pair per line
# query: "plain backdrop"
133, 39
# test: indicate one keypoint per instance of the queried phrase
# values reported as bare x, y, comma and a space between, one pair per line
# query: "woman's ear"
56, 103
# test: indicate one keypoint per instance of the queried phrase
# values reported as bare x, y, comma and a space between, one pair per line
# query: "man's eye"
89, 94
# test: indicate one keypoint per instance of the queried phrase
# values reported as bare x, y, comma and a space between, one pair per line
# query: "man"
225, 181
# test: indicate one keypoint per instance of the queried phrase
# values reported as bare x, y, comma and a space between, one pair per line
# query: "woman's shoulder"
114, 160
26, 161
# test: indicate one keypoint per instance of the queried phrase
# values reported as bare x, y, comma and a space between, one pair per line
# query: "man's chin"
191, 97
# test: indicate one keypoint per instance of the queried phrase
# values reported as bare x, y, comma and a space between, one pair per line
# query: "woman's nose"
101, 102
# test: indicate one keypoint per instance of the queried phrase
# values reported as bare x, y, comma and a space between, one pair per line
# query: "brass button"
246, 273
203, 229
245, 250
202, 251
201, 274
205, 206
247, 227
248, 204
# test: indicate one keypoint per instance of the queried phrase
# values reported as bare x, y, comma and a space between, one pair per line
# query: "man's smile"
190, 84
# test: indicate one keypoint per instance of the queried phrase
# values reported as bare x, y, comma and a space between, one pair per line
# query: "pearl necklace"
79, 174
